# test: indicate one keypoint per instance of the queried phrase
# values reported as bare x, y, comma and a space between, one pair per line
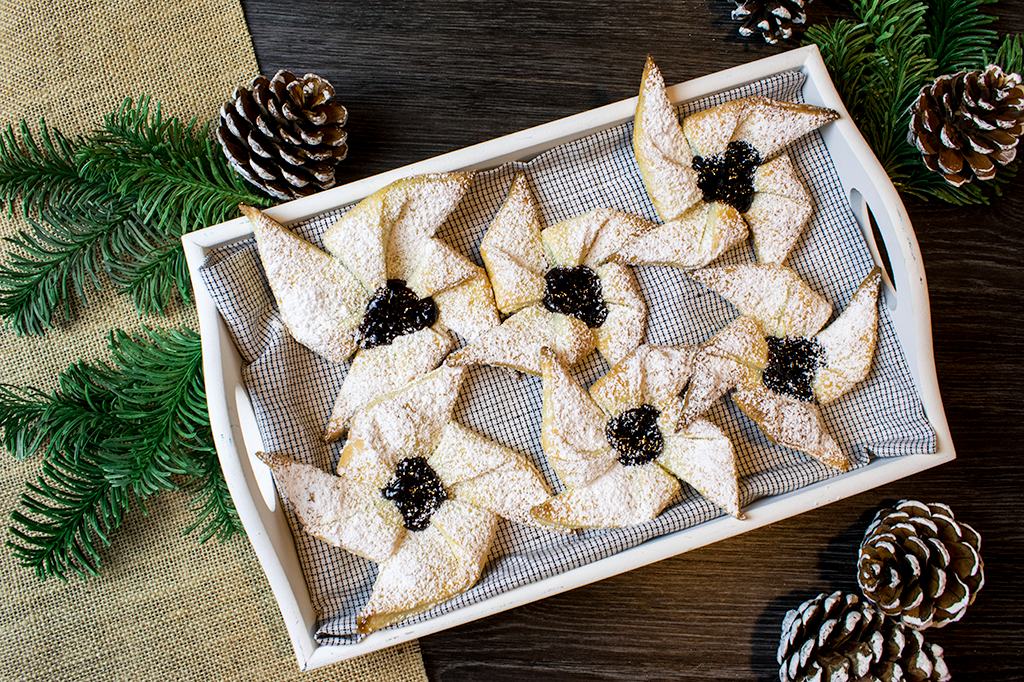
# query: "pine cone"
965, 123
838, 638
772, 18
284, 135
919, 565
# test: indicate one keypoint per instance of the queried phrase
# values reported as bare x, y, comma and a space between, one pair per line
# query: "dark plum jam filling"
635, 436
577, 292
792, 362
394, 311
416, 490
729, 177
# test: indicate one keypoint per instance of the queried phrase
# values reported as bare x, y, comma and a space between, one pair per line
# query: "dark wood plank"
421, 79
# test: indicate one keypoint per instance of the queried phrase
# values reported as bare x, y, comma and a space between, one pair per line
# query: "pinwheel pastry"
617, 449
557, 287
777, 357
717, 173
417, 493
386, 290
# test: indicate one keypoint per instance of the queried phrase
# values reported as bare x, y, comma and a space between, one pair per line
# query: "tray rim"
266, 525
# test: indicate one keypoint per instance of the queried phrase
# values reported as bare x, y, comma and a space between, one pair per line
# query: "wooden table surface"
424, 78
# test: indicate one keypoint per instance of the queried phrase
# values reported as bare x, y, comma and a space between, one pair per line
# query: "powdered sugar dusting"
791, 423
431, 566
849, 342
781, 302
703, 456
770, 125
320, 302
622, 496
662, 152
384, 368
516, 343
779, 211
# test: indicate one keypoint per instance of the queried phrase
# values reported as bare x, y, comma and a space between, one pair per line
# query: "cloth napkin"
292, 389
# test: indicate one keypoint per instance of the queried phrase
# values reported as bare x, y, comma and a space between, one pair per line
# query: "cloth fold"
164, 606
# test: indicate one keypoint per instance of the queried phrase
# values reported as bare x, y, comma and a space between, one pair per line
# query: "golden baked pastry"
729, 157
779, 364
386, 289
415, 492
617, 449
772, 294
557, 286
849, 342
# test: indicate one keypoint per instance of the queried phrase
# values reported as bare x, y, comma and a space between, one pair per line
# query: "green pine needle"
957, 38
116, 201
70, 509
1010, 56
176, 172
879, 64
215, 513
57, 261
111, 435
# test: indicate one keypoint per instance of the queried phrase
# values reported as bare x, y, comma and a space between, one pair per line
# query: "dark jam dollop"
416, 490
393, 311
792, 362
577, 292
729, 177
635, 436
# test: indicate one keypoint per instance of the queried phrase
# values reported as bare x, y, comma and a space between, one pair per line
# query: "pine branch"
69, 421
118, 201
1010, 56
215, 512
845, 47
177, 173
43, 174
151, 268
111, 435
880, 64
70, 509
957, 38
22, 418
159, 389
59, 259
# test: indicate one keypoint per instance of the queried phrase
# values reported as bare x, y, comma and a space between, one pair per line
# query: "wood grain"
421, 79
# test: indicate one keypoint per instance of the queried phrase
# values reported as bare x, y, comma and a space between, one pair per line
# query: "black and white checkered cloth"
293, 390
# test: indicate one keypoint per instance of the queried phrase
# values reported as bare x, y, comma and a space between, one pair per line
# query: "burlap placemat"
165, 606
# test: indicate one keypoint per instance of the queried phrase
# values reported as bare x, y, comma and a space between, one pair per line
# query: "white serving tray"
233, 422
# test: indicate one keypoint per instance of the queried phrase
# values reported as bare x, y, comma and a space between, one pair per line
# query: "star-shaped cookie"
777, 357
557, 287
616, 448
415, 492
386, 290
720, 171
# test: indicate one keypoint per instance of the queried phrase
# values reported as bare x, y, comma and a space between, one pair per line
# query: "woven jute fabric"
165, 606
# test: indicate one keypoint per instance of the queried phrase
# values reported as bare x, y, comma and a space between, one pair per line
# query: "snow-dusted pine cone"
967, 122
285, 135
774, 19
918, 564
838, 638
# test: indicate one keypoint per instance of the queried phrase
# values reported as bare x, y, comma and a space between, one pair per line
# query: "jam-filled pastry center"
395, 311
577, 292
729, 177
635, 436
416, 490
792, 362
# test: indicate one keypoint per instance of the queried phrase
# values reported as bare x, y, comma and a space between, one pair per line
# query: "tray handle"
890, 237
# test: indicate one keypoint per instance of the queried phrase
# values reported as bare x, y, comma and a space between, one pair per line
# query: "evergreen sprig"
113, 435
115, 201
880, 62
